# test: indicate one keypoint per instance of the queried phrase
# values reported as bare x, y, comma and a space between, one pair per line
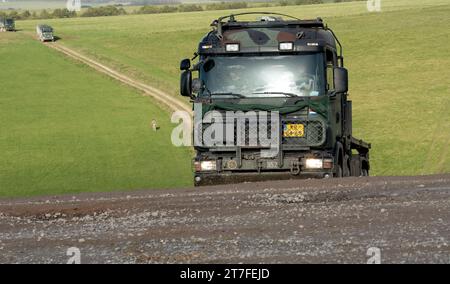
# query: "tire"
364, 173
338, 173
346, 167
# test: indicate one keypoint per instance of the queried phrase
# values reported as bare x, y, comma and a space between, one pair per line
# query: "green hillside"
67, 129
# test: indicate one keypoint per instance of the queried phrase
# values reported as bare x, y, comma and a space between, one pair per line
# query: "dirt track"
331, 221
157, 94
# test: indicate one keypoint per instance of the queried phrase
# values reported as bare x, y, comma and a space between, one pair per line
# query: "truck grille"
250, 134
315, 133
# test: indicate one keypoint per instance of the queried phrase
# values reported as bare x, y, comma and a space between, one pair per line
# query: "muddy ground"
331, 221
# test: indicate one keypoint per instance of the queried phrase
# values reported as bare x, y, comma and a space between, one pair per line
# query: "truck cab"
289, 75
7, 24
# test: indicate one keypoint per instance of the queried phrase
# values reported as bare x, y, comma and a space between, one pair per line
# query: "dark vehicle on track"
292, 67
7, 24
45, 33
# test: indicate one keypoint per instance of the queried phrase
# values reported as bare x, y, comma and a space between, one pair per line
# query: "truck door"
336, 99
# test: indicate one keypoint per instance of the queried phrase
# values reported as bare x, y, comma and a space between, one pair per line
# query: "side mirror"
340, 80
186, 83
185, 64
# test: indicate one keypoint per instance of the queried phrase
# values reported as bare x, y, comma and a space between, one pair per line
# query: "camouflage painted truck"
7, 25
291, 67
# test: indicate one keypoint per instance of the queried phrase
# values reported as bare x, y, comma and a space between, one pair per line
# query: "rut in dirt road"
331, 221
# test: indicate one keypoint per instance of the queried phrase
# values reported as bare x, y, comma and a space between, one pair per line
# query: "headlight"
328, 164
314, 164
286, 46
233, 47
205, 166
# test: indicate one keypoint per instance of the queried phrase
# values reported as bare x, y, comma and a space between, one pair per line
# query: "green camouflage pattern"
257, 37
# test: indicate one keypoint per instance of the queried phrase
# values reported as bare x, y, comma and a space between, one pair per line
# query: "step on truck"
279, 78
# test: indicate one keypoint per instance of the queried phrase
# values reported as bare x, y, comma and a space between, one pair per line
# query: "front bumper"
228, 168
204, 179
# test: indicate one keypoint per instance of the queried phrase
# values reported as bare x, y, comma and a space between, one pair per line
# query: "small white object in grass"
155, 125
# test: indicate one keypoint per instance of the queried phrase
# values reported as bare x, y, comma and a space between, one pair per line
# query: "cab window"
331, 63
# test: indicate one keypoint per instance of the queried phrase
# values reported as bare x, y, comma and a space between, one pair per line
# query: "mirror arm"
332, 94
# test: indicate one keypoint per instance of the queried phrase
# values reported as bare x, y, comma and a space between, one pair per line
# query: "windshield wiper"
277, 93
227, 94
222, 94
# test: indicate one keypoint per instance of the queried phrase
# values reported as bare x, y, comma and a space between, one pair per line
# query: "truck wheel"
346, 168
364, 173
338, 173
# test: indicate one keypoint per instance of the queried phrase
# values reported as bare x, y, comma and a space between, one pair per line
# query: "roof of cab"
46, 28
266, 34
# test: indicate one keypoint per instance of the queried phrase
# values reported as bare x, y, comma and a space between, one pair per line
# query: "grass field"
398, 61
67, 129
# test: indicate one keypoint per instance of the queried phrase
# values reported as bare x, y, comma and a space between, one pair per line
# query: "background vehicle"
7, 24
45, 33
294, 67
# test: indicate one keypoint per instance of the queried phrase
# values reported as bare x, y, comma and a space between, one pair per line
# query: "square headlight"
205, 166
233, 47
286, 46
314, 164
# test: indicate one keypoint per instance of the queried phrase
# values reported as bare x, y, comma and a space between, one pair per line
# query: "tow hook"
295, 168
259, 165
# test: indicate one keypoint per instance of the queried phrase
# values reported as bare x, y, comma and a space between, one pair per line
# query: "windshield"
263, 76
9, 22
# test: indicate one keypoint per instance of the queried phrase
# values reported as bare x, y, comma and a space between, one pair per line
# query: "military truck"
7, 24
45, 33
283, 65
